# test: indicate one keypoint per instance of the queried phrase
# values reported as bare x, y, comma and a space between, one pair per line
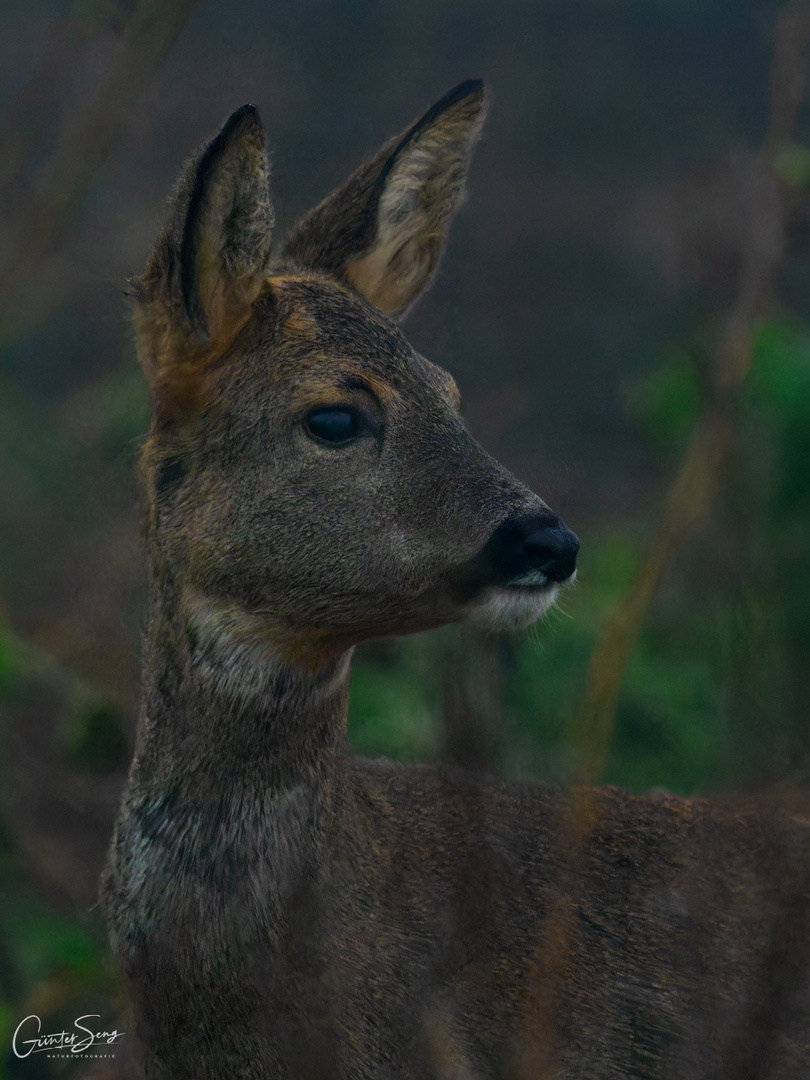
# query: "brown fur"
283, 909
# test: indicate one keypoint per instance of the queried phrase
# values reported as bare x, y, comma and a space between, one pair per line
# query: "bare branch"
81, 153
690, 496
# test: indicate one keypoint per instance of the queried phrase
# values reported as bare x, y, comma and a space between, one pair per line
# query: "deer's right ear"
211, 261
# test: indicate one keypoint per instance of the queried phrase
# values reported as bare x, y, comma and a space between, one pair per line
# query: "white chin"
511, 609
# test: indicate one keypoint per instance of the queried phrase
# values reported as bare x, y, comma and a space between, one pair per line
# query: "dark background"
581, 307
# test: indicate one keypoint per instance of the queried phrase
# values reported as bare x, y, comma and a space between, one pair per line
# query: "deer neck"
224, 714
230, 794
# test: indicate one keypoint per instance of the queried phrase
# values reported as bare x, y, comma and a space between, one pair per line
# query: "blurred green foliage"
54, 960
94, 737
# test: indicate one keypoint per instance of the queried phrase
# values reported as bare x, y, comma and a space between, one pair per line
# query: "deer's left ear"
383, 231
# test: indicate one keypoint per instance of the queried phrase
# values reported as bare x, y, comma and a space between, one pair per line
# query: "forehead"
329, 331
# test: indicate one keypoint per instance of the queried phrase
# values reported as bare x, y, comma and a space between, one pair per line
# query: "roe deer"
283, 909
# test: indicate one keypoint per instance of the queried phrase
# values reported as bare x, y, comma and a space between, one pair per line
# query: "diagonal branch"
691, 493
80, 155
26, 122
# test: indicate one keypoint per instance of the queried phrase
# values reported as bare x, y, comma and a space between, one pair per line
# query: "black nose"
553, 551
518, 548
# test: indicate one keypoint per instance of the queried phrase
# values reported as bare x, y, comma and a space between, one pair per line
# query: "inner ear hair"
384, 230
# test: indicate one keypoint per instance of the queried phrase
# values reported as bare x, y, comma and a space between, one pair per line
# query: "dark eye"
335, 425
